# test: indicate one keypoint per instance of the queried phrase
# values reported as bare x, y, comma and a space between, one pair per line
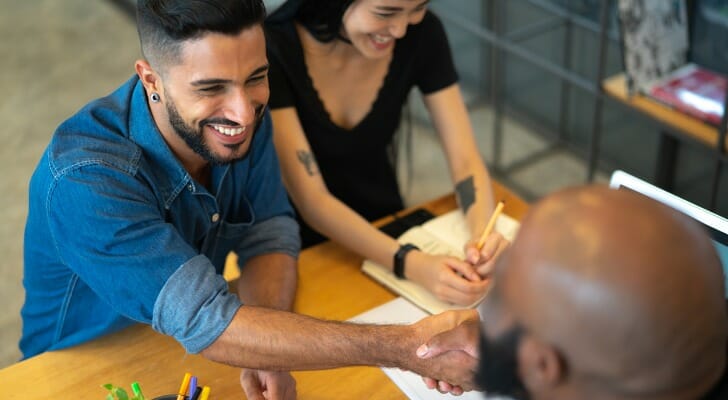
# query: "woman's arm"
334, 219
318, 207
473, 187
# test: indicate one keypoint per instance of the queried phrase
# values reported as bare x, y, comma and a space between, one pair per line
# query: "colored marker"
137, 391
193, 386
205, 393
183, 387
196, 395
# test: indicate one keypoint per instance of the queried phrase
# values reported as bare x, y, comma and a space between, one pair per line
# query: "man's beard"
498, 369
196, 141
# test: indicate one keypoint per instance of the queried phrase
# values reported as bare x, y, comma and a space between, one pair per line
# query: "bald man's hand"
454, 368
463, 338
484, 260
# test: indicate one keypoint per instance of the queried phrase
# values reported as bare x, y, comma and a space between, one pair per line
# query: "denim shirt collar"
171, 177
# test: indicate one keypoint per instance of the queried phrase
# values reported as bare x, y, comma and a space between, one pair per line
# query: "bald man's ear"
540, 365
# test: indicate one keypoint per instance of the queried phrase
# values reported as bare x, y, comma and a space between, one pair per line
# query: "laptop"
716, 225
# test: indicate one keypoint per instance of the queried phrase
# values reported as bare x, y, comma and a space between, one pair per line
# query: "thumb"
438, 344
463, 338
472, 254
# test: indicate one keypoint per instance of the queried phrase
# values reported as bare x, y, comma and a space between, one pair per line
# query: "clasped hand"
462, 339
456, 367
461, 282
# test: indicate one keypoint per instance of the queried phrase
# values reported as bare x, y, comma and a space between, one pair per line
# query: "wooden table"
331, 286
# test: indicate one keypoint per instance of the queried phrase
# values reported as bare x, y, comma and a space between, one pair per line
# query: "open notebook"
446, 234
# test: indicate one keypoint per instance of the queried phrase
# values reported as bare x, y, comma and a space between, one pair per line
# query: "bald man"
605, 294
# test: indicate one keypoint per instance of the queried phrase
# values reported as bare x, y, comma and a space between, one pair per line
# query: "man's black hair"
323, 19
164, 24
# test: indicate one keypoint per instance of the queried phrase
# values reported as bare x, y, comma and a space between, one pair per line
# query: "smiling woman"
340, 73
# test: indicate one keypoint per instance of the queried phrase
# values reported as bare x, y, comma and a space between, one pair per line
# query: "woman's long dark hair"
322, 18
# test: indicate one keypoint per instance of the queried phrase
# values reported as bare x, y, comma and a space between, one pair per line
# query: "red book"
693, 90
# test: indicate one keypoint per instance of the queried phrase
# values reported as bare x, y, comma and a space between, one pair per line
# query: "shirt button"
190, 188
215, 217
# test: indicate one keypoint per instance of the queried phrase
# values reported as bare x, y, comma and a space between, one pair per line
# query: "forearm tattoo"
465, 193
308, 161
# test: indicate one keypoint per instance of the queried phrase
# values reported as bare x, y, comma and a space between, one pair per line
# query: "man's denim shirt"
119, 232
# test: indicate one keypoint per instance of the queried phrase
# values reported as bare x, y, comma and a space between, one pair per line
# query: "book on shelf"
654, 40
693, 90
655, 49
442, 235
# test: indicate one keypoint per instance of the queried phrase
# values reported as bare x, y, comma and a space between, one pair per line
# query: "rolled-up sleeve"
108, 228
275, 235
194, 306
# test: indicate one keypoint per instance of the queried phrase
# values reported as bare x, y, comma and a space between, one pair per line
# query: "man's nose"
239, 108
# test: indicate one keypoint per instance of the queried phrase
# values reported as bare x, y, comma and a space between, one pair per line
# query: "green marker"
137, 391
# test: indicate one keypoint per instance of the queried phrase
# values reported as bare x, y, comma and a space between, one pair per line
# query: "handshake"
579, 307
448, 357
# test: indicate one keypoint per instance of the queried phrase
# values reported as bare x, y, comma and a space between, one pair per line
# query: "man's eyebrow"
395, 9
213, 81
220, 81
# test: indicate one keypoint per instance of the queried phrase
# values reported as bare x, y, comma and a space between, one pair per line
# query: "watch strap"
399, 259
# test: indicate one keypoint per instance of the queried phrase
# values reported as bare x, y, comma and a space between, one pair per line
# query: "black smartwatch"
399, 259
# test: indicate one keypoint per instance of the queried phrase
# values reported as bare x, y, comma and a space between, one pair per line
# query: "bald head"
630, 291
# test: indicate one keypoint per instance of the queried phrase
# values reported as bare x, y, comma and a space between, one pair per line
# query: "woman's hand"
483, 260
450, 279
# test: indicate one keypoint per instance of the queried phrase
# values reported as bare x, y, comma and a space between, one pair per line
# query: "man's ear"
541, 366
148, 76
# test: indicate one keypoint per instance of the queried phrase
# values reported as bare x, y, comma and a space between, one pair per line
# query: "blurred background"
529, 69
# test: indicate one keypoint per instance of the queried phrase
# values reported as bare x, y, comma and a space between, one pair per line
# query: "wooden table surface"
331, 286
616, 87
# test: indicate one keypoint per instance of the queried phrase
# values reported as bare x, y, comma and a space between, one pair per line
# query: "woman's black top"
354, 163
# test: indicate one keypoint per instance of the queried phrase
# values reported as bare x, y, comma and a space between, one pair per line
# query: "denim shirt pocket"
235, 226
230, 232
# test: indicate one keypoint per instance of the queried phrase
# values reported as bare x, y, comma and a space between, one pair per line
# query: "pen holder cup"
169, 397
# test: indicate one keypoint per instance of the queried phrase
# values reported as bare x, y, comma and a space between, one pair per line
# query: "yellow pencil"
489, 228
205, 393
183, 387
